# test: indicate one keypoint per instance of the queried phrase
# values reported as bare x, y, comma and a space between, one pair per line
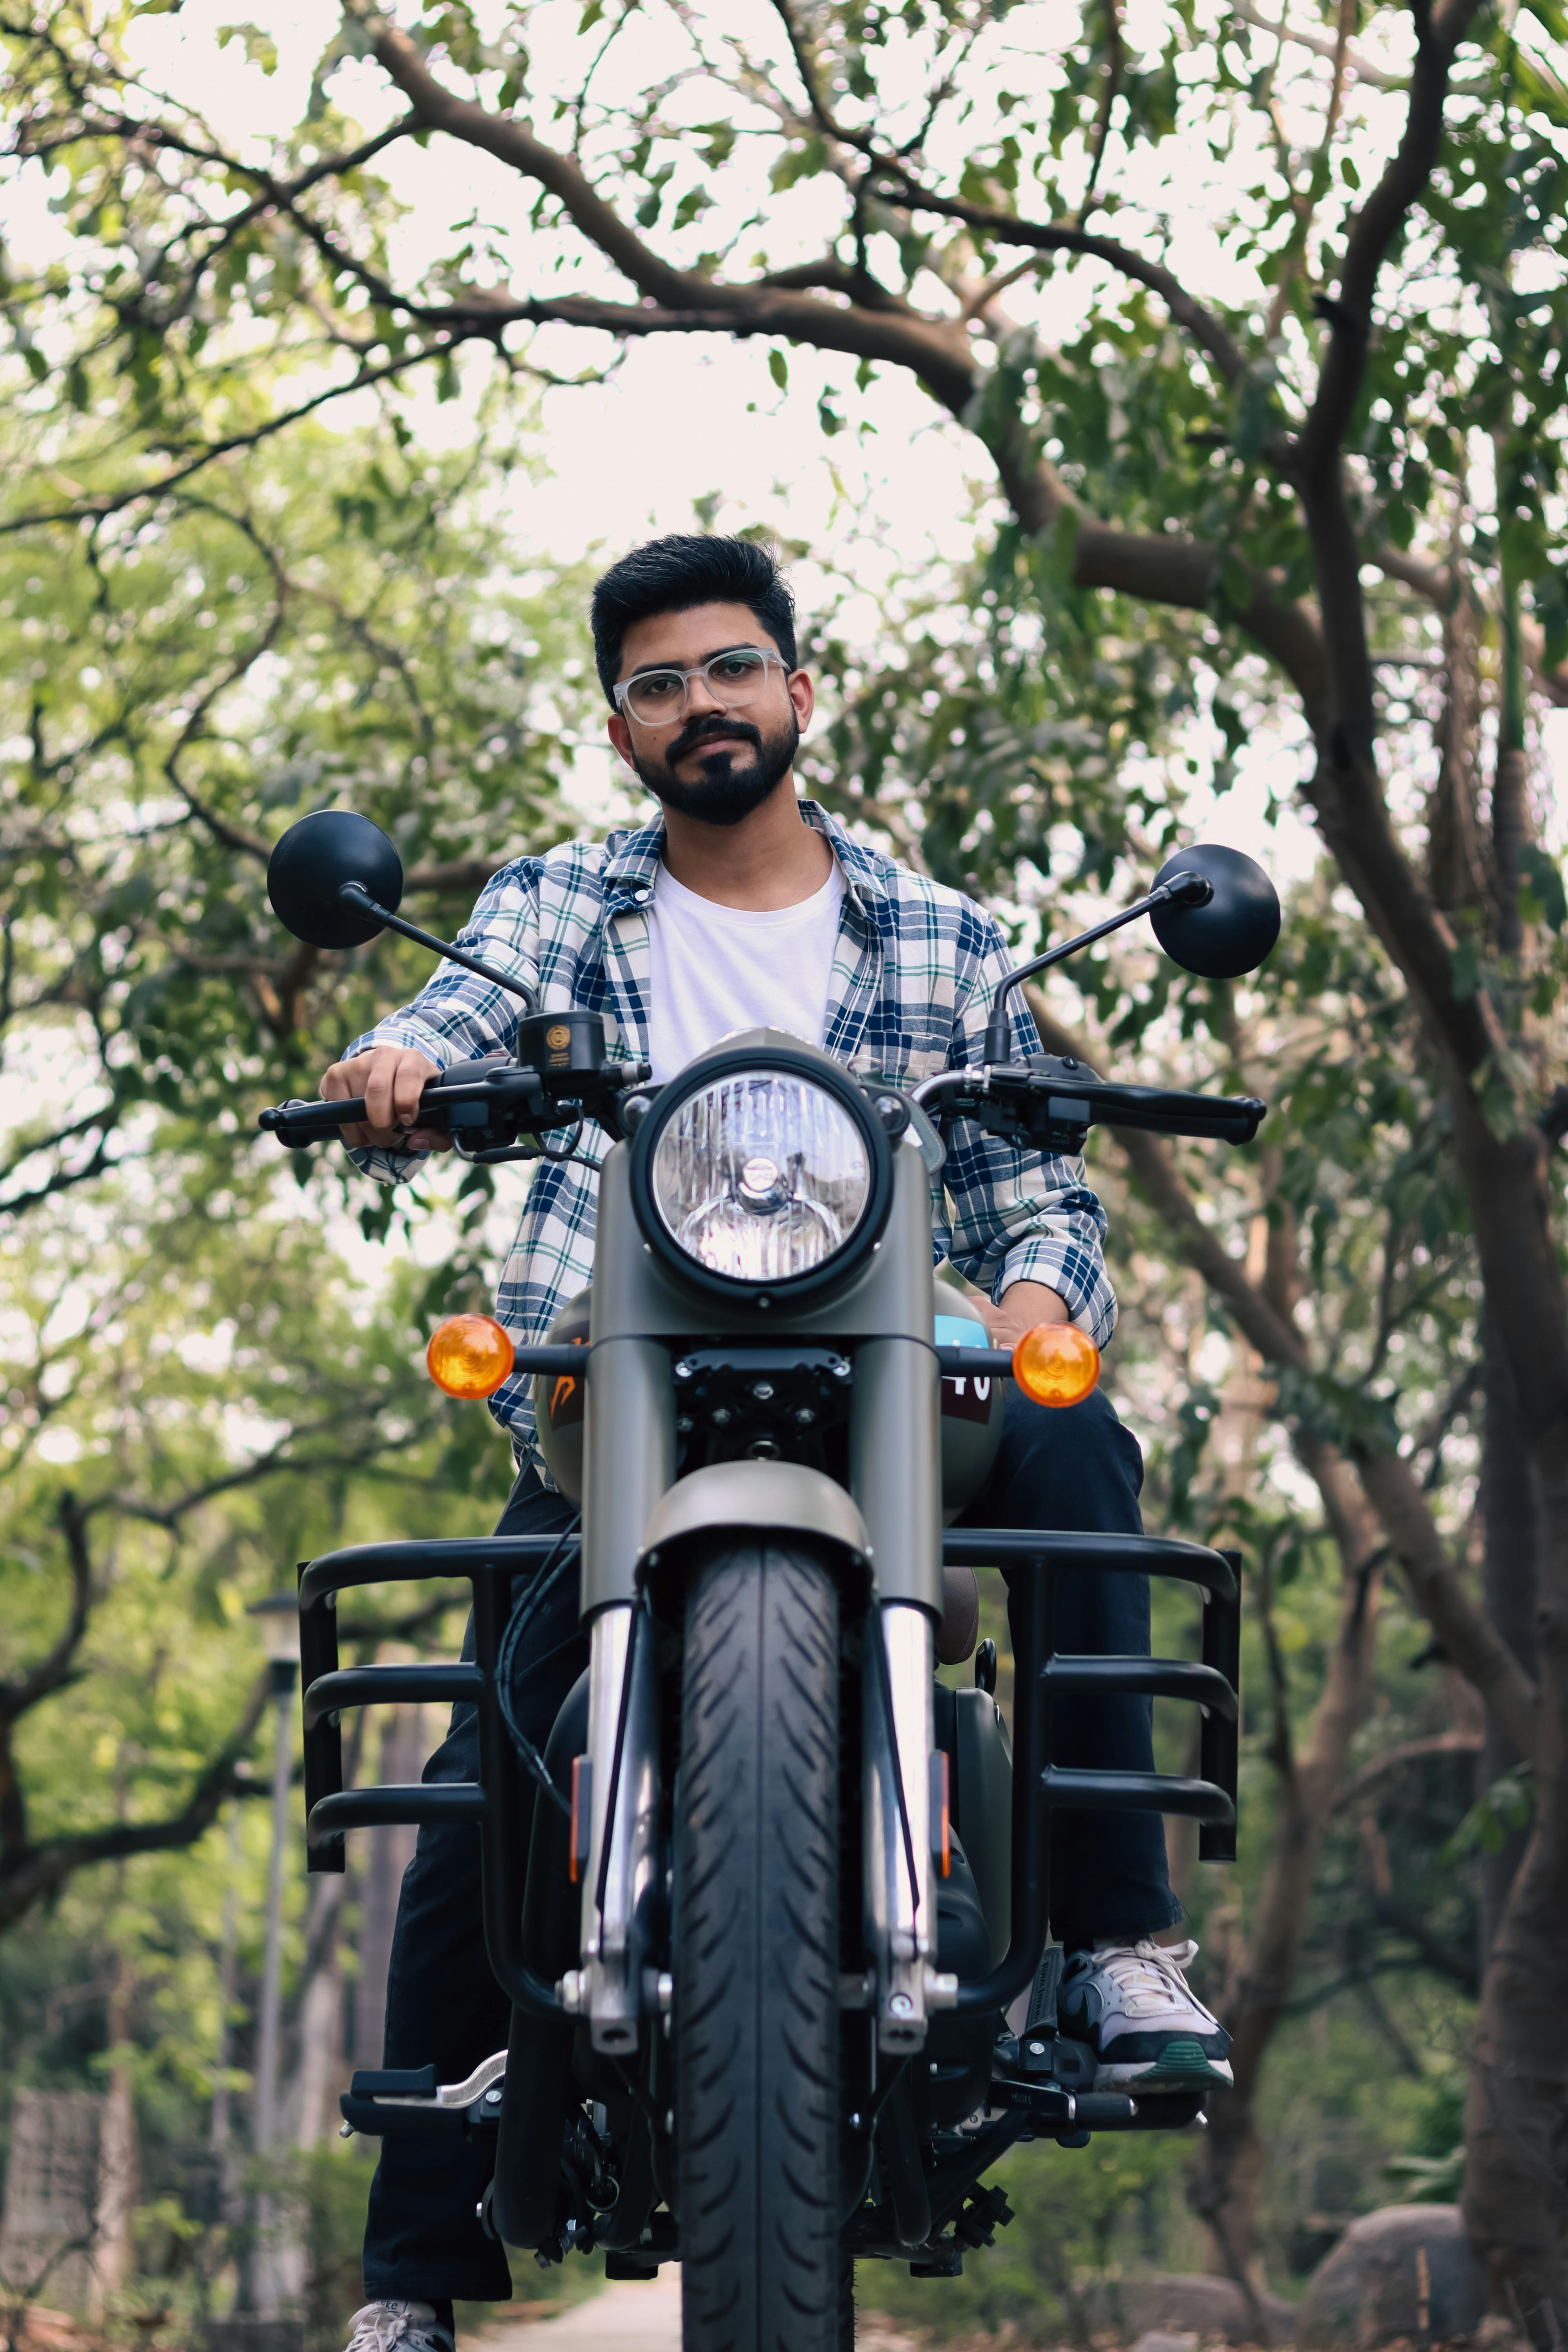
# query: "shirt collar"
631, 866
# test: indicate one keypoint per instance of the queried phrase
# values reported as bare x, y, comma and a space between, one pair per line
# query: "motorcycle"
771, 1907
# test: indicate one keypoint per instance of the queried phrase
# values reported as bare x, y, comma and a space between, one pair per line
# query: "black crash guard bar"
1040, 1786
494, 1802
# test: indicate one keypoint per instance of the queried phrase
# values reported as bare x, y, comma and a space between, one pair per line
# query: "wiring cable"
558, 1560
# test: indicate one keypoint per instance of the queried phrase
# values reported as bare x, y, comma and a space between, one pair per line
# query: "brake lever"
1049, 1102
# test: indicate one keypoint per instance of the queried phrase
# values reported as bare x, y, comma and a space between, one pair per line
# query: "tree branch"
1318, 466
26, 1690
1467, 1633
100, 509
1395, 1760
1006, 228
41, 1870
1115, 60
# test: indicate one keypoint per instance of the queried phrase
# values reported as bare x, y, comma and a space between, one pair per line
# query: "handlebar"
1223, 1118
486, 1105
504, 1088
1050, 1101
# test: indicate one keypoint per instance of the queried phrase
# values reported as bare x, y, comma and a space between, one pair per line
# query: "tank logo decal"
967, 1396
567, 1397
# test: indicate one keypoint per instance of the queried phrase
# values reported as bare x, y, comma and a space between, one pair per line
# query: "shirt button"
643, 896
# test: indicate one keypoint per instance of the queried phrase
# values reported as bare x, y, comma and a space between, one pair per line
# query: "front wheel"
756, 1956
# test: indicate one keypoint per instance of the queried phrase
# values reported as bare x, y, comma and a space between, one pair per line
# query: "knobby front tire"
756, 1956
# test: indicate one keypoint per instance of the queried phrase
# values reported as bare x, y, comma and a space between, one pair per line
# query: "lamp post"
280, 1616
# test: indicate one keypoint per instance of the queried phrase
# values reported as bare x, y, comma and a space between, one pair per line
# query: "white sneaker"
399, 2328
1132, 2004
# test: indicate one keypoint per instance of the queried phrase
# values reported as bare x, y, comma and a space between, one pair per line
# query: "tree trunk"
1509, 1518
309, 2104
1510, 839
1228, 2169
1516, 2112
1456, 868
388, 1854
111, 2246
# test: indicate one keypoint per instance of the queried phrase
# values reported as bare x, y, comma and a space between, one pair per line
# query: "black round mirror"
311, 862
1232, 934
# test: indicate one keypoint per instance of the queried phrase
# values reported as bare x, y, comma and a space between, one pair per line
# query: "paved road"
629, 2316
638, 2315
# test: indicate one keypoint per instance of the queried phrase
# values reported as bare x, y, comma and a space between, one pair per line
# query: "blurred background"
320, 416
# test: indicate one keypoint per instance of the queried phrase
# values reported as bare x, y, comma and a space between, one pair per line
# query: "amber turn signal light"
1055, 1363
469, 1355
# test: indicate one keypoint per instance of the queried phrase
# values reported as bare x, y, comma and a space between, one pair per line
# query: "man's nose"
700, 700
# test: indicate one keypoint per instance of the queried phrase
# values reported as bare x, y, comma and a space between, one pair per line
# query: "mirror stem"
354, 894
1180, 890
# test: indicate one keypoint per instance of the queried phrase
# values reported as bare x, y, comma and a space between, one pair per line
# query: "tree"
1295, 470
1353, 1288
304, 629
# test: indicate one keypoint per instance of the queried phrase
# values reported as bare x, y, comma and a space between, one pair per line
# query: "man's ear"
620, 735
803, 695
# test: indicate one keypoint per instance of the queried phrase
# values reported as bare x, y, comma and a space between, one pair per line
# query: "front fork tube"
619, 1892
901, 1904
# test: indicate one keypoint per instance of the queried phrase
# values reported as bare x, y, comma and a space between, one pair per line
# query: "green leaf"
1255, 415
1543, 877
260, 48
797, 164
692, 205
1236, 583
1506, 1805
778, 368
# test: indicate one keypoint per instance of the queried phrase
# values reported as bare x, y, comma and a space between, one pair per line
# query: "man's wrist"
1021, 1305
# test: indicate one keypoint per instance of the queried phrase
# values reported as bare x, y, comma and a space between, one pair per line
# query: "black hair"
672, 575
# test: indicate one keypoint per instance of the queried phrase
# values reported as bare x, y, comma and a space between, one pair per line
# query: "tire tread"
756, 1956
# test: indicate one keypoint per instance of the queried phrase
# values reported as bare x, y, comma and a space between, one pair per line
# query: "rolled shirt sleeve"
1018, 1216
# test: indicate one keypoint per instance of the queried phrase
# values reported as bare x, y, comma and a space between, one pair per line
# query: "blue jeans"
1077, 1468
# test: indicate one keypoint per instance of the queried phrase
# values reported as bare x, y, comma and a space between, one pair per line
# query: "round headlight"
765, 1178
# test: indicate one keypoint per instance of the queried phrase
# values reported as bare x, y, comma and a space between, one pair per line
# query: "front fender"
752, 1497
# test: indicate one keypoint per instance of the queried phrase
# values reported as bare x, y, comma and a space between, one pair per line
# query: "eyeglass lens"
731, 679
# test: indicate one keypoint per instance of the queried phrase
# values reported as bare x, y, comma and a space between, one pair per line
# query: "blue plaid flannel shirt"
913, 974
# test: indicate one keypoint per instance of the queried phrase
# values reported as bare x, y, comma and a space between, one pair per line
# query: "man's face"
714, 762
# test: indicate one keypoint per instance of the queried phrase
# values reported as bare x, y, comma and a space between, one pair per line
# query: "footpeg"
380, 2102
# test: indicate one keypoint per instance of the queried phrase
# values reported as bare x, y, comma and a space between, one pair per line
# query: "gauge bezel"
813, 1069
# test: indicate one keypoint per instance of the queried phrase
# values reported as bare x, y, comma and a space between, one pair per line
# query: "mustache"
711, 723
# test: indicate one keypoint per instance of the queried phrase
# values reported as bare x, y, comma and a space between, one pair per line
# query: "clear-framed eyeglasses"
658, 697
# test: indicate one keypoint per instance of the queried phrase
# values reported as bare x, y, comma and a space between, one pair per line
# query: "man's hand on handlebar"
1021, 1306
391, 1078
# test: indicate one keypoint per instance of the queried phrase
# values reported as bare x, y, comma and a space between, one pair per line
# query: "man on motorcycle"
744, 906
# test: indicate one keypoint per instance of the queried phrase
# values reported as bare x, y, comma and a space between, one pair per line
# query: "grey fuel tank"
971, 1405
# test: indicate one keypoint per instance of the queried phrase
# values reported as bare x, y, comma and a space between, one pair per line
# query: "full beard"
726, 795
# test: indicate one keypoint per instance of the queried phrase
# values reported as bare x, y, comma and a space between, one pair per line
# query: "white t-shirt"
716, 969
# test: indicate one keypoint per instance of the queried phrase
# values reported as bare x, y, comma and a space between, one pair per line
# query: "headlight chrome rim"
834, 1271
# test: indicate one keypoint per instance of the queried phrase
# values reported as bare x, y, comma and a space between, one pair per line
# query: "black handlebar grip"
298, 1125
1222, 1118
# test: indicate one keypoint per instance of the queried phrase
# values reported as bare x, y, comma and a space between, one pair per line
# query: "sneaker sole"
1180, 2066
